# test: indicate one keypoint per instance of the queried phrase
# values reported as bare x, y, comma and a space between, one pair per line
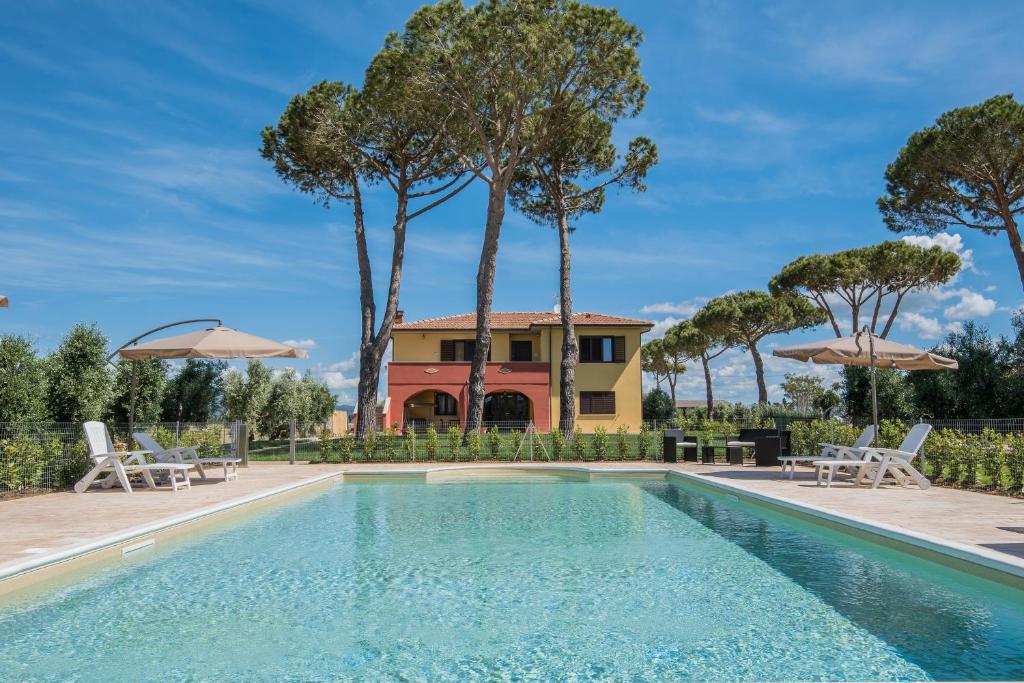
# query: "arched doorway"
431, 407
506, 406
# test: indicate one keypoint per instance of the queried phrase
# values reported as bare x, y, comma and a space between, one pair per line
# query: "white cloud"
684, 308
347, 365
300, 343
337, 380
971, 305
751, 119
662, 326
923, 326
951, 242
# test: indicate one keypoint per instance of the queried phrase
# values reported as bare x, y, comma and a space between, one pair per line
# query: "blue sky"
132, 192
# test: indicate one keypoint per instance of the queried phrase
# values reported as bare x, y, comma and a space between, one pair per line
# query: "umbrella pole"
874, 391
131, 400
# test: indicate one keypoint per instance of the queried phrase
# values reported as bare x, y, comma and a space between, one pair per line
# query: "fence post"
177, 432
291, 442
243, 443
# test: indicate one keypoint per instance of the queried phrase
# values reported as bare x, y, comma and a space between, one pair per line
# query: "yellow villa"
428, 376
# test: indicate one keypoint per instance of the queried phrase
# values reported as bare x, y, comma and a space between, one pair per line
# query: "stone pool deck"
40, 526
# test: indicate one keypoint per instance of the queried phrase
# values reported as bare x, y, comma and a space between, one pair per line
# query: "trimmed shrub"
409, 443
622, 442
346, 445
515, 441
432, 443
557, 444
474, 445
1014, 458
643, 442
493, 443
454, 442
600, 442
579, 445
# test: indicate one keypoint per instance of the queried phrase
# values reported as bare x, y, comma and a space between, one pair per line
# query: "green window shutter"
619, 344
447, 350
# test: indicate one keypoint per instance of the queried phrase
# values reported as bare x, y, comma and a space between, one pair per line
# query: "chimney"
399, 317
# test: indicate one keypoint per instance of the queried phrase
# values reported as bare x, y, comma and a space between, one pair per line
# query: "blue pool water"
604, 580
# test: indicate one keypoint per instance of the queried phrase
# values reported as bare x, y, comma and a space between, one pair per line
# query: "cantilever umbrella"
867, 349
214, 342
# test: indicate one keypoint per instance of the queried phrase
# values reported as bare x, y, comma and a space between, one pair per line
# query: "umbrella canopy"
864, 348
215, 342
3, 301
856, 350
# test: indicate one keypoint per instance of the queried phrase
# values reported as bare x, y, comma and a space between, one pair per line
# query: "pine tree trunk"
762, 389
366, 399
707, 383
570, 349
484, 298
373, 348
1013, 234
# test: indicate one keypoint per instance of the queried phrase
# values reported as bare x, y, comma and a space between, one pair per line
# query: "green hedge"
28, 463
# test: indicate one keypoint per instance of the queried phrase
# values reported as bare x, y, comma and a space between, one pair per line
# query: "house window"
459, 350
444, 404
597, 403
522, 350
602, 349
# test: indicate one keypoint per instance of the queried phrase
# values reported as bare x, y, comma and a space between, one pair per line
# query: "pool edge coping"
20, 568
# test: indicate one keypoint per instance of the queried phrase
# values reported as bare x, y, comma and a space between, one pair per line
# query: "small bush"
346, 445
990, 456
371, 443
643, 442
579, 445
622, 442
557, 444
1014, 458
389, 443
600, 442
323, 443
474, 444
493, 443
432, 443
409, 443
516, 437
454, 442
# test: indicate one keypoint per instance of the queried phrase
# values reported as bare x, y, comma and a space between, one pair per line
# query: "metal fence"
44, 456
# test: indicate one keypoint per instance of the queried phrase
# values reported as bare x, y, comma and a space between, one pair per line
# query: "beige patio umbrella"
867, 349
214, 342
3, 301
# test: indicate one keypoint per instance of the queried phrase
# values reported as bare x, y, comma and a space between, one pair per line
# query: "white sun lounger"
894, 464
187, 455
829, 451
118, 465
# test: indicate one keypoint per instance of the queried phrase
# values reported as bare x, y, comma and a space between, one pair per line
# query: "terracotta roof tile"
519, 320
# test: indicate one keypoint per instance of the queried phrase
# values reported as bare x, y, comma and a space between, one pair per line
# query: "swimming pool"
601, 580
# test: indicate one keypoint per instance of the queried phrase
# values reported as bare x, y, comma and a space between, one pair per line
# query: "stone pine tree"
967, 170
572, 178
506, 67
665, 359
870, 281
745, 318
705, 345
333, 139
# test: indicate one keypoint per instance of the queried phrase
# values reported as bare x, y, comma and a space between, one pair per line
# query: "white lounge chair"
894, 464
118, 465
830, 451
187, 455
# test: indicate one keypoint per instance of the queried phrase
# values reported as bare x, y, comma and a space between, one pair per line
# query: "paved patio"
45, 524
